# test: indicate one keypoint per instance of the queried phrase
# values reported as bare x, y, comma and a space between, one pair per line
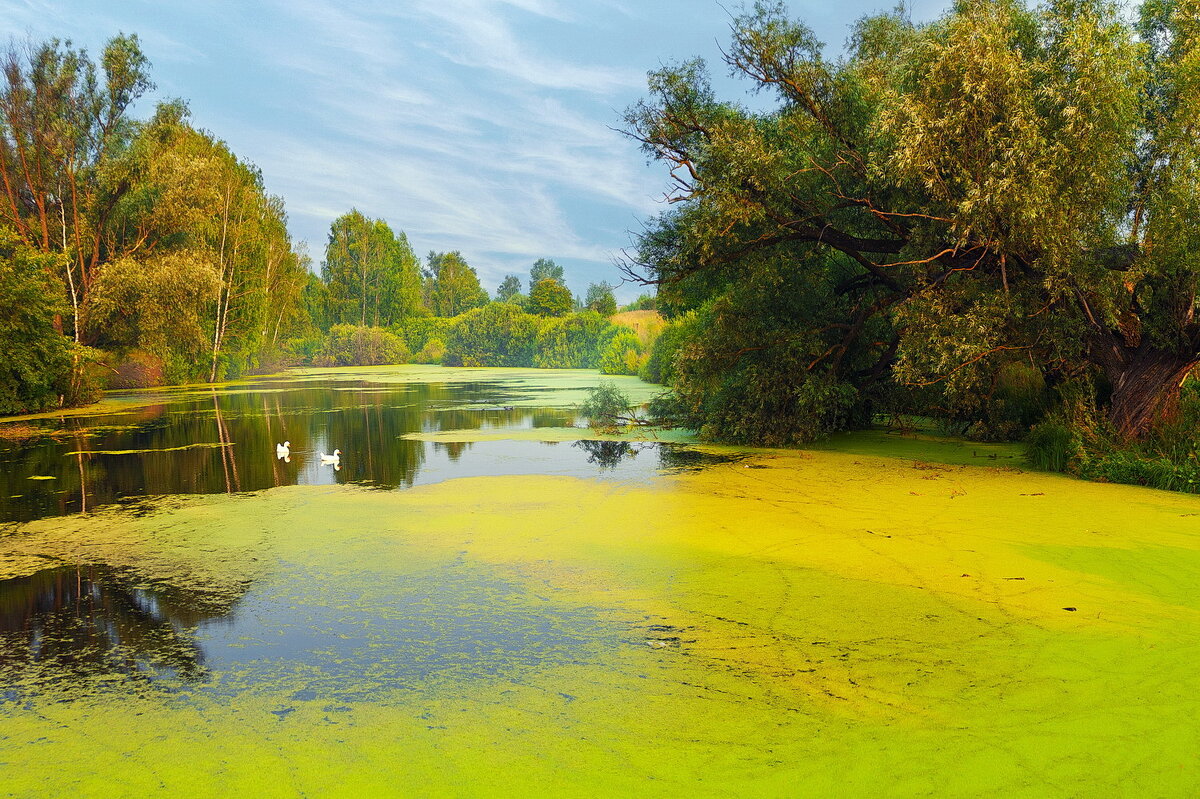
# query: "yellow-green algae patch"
529, 388
556, 435
199, 445
790, 624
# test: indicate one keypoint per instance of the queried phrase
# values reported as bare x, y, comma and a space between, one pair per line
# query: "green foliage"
549, 297
624, 354
600, 299
576, 341
351, 345
372, 275
660, 365
1002, 186
644, 302
498, 334
544, 269
606, 406
35, 358
508, 288
418, 331
1050, 446
159, 306
451, 286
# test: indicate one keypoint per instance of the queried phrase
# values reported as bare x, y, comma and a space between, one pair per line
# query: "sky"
485, 126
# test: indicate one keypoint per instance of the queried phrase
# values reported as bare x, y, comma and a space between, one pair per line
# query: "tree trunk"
1145, 386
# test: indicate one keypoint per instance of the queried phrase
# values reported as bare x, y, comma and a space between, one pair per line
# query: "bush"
418, 331
576, 341
645, 302
434, 351
350, 345
623, 356
659, 366
36, 359
606, 406
498, 334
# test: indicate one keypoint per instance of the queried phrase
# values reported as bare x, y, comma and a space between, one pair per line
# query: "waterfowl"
283, 450
335, 458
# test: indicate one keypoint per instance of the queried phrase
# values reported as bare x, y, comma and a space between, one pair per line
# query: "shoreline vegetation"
985, 221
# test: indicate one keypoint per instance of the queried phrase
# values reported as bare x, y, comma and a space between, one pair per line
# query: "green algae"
750, 628
556, 435
180, 448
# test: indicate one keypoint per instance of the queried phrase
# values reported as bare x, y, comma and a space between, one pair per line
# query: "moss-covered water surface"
615, 618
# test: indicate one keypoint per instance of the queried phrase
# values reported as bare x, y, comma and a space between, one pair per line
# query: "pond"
483, 598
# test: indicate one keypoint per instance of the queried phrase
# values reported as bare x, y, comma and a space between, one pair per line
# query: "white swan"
283, 450
335, 458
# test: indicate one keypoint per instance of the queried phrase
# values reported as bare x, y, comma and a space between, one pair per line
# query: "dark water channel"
107, 626
223, 441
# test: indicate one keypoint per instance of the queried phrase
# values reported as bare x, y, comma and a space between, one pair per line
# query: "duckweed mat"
779, 624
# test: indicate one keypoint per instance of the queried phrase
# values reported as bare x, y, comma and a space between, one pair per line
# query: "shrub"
418, 331
606, 406
659, 366
576, 341
434, 351
498, 334
350, 345
35, 358
623, 356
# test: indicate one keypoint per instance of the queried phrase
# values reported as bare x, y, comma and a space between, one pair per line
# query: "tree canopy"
372, 274
1003, 187
451, 285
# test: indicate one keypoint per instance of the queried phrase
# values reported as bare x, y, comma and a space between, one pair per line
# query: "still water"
196, 440
102, 626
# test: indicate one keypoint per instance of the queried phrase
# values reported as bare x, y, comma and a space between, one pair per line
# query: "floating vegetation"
202, 445
724, 630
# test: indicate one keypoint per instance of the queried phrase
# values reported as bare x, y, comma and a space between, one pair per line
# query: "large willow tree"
1005, 184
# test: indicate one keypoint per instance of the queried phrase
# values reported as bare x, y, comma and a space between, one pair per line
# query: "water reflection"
67, 624
607, 454
224, 441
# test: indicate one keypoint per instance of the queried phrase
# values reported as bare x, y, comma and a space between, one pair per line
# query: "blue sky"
475, 125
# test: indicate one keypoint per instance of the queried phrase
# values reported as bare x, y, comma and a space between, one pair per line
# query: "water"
95, 625
466, 609
222, 440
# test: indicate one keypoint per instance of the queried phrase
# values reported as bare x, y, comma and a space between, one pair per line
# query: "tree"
544, 269
1000, 184
600, 299
63, 137
549, 297
160, 305
372, 274
35, 359
509, 288
451, 286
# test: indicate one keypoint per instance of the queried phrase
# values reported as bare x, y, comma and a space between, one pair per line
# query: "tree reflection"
607, 454
222, 440
69, 624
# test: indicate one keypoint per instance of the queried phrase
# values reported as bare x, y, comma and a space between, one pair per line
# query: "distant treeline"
137, 252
